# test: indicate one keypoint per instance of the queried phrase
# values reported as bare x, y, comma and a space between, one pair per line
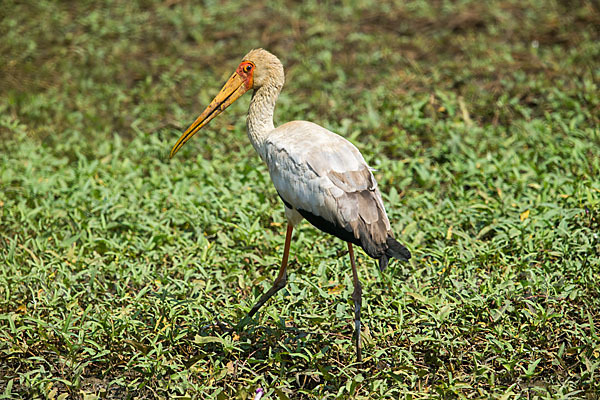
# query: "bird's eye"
247, 68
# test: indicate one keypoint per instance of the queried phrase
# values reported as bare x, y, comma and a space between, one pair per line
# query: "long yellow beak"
231, 91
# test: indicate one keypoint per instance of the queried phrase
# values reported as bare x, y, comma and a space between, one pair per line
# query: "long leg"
281, 279
357, 297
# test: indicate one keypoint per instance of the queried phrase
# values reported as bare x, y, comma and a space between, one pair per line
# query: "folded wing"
325, 178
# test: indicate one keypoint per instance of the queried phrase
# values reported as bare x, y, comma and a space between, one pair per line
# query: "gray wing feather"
320, 172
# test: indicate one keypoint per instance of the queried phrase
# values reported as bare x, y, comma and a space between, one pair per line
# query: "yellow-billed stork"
319, 175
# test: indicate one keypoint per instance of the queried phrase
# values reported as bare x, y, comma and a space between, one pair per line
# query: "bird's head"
258, 68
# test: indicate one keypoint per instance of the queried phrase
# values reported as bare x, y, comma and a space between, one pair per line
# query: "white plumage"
318, 171
318, 174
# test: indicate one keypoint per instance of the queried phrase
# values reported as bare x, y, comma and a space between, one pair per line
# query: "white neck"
260, 116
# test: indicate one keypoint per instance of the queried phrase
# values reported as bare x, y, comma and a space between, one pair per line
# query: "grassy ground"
482, 119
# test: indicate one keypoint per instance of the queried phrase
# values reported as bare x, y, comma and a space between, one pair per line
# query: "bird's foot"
243, 322
224, 327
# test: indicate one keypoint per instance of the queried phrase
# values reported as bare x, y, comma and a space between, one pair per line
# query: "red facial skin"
246, 71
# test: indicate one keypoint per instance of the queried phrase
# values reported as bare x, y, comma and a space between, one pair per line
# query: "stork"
319, 175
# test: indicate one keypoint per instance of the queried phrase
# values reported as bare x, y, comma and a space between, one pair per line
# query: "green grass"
117, 265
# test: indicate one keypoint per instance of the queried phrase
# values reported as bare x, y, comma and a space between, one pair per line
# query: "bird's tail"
394, 250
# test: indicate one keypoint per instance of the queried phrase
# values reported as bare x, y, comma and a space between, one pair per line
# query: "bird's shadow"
261, 341
259, 347
248, 327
